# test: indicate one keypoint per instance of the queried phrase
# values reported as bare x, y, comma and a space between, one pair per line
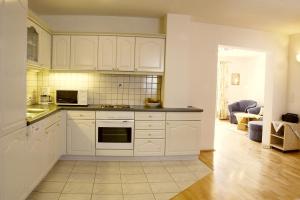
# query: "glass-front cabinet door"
32, 44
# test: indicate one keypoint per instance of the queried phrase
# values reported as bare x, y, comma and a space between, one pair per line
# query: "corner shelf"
284, 139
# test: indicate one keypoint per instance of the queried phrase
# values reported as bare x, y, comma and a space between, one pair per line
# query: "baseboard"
129, 158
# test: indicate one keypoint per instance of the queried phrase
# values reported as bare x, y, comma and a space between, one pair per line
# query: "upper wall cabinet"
107, 53
38, 46
45, 49
116, 53
149, 54
61, 52
125, 53
32, 42
84, 50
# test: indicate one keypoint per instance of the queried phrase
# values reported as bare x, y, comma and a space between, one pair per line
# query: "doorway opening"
240, 93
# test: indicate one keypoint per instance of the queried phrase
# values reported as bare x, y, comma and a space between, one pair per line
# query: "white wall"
252, 78
114, 24
294, 75
199, 58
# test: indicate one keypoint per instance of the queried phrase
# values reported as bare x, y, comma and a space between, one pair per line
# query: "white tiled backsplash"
102, 88
31, 87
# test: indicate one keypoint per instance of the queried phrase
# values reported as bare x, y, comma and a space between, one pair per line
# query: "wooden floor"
242, 169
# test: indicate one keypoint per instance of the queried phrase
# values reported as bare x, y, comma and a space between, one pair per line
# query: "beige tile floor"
109, 180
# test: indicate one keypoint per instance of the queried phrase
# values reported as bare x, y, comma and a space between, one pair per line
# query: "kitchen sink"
36, 110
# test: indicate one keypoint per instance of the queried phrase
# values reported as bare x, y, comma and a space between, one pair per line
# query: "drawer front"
149, 125
114, 115
185, 116
150, 116
81, 115
149, 147
150, 134
104, 152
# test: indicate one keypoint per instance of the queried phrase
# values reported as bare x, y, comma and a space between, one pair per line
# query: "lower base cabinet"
81, 137
149, 147
183, 137
27, 155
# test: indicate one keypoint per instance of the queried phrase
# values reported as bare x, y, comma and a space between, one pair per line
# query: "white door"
149, 54
84, 52
125, 53
183, 137
61, 135
51, 143
61, 46
107, 53
14, 165
36, 151
45, 49
81, 137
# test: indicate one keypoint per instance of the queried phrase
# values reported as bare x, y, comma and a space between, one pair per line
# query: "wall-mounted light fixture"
298, 57
235, 79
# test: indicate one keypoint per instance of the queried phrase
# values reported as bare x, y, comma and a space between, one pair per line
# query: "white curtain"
223, 81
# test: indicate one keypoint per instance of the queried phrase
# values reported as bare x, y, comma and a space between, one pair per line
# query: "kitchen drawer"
113, 152
150, 134
149, 147
148, 125
150, 116
114, 115
49, 121
81, 115
184, 116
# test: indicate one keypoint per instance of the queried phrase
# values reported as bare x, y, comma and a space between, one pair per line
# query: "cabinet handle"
150, 116
81, 115
149, 134
36, 129
150, 125
47, 132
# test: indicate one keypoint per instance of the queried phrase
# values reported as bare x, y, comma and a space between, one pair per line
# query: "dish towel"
295, 127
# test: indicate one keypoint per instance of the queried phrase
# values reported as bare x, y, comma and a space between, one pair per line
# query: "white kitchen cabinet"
84, 52
38, 46
14, 166
61, 51
107, 51
149, 147
45, 49
33, 42
125, 53
13, 18
183, 137
149, 54
81, 137
36, 151
51, 144
62, 135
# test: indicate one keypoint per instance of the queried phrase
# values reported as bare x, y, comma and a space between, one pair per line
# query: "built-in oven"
112, 132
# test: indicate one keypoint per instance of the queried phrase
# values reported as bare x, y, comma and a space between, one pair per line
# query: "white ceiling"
270, 15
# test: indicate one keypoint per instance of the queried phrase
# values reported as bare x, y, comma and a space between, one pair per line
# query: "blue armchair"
240, 106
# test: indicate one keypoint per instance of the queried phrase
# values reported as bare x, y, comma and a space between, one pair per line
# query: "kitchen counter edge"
54, 109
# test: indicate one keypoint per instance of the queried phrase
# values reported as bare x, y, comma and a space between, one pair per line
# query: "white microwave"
71, 97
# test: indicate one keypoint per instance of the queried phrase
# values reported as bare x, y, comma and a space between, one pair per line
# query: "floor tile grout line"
61, 192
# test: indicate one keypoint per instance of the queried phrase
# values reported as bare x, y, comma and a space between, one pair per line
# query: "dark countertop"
51, 109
